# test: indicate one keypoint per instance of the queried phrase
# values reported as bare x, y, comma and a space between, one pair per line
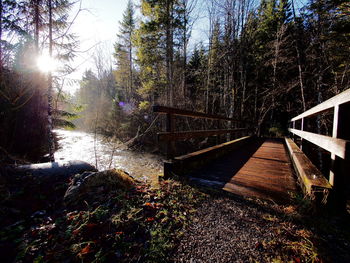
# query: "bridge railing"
339, 143
170, 135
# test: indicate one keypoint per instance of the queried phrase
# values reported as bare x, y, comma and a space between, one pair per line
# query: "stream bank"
105, 154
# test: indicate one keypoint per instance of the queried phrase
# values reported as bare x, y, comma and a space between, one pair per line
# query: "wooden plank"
216, 147
337, 146
271, 185
257, 193
311, 178
177, 136
326, 105
250, 171
273, 178
194, 114
264, 177
186, 163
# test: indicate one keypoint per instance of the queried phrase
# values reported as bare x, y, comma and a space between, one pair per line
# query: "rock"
94, 185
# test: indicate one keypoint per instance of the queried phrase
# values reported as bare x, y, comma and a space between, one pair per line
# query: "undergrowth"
141, 225
145, 224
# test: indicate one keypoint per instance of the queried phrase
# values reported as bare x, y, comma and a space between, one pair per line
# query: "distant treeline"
263, 61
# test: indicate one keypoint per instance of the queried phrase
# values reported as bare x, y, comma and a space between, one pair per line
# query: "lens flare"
46, 63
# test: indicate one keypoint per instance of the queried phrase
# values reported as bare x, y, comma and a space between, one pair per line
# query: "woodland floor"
174, 222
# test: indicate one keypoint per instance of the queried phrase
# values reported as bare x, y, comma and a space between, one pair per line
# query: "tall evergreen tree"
155, 40
124, 52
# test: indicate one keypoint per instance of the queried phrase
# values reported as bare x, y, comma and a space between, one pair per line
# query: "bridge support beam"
185, 164
313, 183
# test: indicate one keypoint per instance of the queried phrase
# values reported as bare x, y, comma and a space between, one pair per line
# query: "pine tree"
155, 40
124, 53
196, 77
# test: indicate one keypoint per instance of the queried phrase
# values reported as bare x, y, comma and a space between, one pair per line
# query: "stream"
106, 154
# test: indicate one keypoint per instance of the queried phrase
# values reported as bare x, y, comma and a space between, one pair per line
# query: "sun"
46, 63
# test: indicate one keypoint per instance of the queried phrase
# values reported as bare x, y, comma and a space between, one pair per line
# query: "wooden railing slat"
337, 146
194, 114
326, 105
177, 136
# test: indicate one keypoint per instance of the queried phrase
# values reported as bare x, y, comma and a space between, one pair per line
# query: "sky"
96, 25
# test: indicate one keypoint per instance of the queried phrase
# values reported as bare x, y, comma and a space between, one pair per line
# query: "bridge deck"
262, 169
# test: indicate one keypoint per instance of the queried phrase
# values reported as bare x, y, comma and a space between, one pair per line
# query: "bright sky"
97, 24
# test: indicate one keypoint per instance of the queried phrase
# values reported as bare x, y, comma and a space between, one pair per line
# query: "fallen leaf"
86, 250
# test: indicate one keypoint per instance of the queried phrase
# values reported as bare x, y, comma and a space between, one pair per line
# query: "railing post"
339, 170
301, 139
170, 128
229, 135
218, 136
334, 135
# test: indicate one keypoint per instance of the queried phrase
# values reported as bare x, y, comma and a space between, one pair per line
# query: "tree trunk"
184, 65
37, 25
318, 120
169, 52
49, 92
52, 172
130, 67
301, 82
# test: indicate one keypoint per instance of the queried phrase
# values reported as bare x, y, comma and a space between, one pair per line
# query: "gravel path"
235, 230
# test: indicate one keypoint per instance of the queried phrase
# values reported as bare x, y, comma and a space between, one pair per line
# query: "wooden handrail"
178, 136
170, 136
339, 143
337, 146
334, 145
193, 114
341, 98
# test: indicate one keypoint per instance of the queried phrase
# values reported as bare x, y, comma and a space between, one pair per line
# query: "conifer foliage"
264, 61
259, 60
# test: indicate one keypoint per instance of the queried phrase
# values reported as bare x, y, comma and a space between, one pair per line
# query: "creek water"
106, 154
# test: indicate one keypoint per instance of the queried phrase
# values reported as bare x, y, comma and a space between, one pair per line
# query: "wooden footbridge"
265, 168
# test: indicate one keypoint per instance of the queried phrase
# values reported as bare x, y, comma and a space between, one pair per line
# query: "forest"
263, 61
256, 61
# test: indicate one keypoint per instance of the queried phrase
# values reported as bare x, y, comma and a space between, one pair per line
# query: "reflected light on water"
78, 145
